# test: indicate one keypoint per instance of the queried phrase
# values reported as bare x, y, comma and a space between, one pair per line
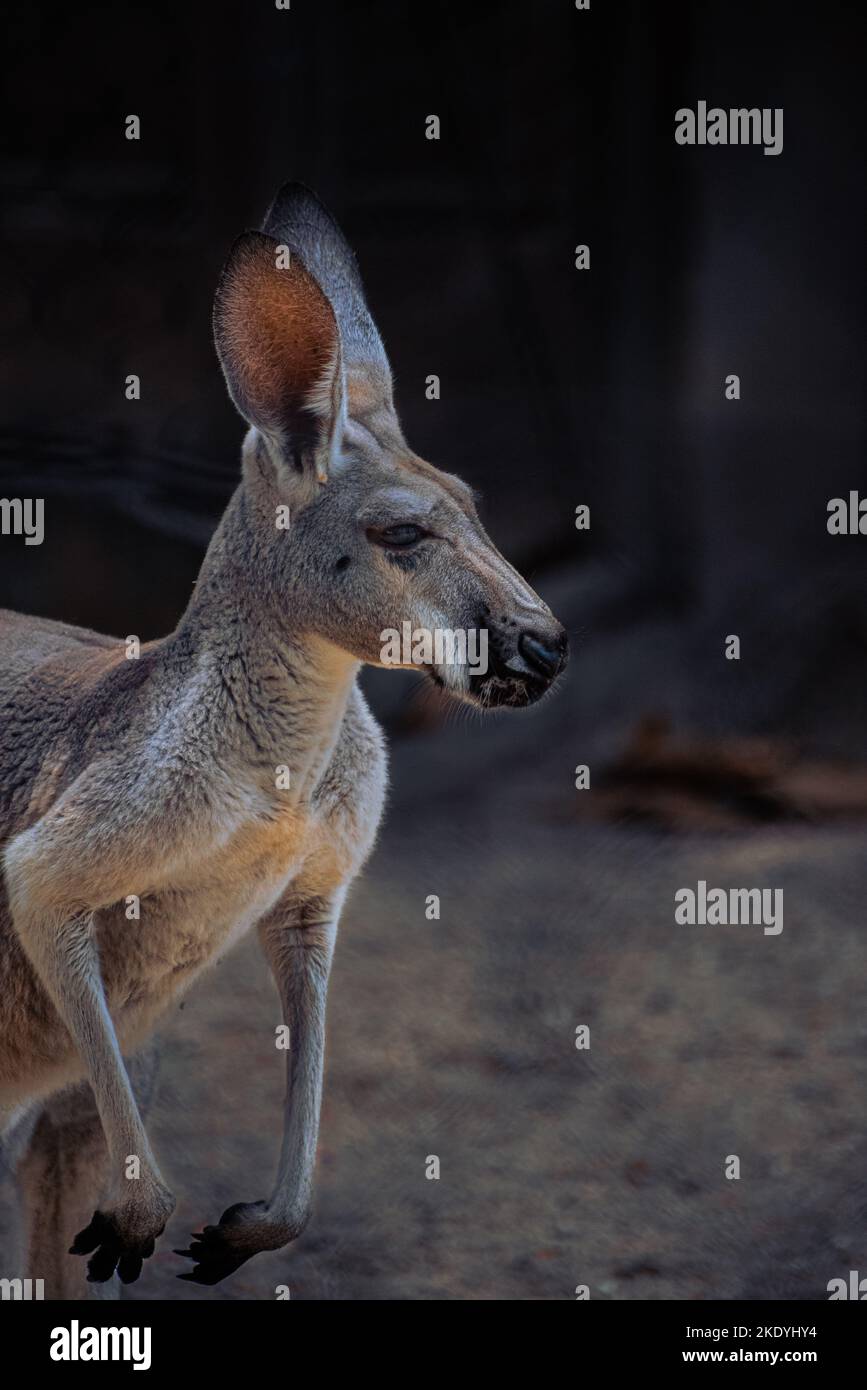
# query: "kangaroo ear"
298, 219
279, 346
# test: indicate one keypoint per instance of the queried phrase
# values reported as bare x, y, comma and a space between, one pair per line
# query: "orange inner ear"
276, 335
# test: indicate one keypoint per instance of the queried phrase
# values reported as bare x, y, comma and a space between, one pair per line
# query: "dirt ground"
558, 1167
456, 1038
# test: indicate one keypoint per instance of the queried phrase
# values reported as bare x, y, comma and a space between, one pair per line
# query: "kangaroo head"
383, 555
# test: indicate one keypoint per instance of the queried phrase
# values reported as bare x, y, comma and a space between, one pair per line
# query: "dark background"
708, 518
558, 387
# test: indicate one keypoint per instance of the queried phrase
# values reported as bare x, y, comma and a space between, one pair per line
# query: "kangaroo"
229, 775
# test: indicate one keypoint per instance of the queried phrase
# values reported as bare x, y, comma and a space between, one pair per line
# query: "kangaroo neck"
265, 690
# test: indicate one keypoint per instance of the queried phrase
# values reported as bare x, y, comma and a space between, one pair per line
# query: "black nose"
544, 655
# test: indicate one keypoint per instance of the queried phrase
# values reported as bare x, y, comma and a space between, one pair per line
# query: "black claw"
212, 1249
129, 1268
102, 1265
92, 1235
110, 1250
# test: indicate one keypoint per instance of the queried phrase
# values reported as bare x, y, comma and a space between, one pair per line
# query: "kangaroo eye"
398, 536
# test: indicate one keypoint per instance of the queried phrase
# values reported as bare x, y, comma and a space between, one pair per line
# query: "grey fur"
158, 776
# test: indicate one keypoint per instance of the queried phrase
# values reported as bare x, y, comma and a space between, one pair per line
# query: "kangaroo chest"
262, 845
153, 945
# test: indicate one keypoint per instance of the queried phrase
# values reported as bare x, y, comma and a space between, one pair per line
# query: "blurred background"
559, 387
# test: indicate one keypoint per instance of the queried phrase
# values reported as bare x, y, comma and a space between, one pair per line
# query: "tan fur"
156, 778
